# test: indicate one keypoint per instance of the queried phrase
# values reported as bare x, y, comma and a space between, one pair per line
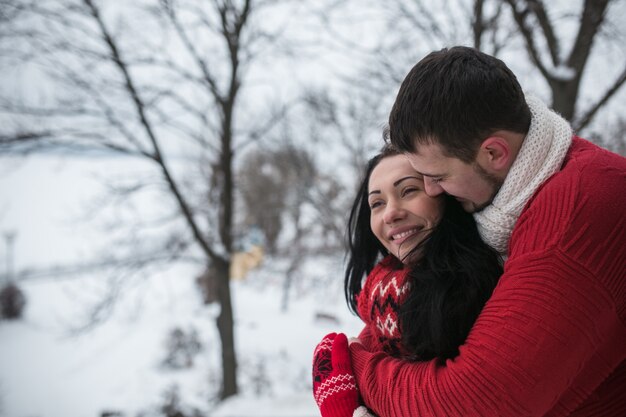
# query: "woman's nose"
393, 213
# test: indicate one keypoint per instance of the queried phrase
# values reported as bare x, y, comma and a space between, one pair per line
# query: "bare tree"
560, 56
355, 113
160, 81
564, 70
576, 48
285, 187
275, 183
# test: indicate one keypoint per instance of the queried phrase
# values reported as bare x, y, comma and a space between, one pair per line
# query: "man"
551, 341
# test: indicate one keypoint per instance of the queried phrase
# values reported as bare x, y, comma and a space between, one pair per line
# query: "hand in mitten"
322, 363
334, 387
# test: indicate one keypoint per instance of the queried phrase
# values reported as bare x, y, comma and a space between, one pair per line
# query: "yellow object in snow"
242, 262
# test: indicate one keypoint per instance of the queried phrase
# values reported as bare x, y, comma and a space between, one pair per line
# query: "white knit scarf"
540, 156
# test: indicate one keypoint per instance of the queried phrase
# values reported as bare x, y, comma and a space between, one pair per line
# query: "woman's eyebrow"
395, 184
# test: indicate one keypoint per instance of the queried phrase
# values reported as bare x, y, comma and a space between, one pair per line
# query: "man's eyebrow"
423, 173
430, 175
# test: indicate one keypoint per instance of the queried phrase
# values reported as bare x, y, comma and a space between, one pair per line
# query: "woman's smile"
401, 213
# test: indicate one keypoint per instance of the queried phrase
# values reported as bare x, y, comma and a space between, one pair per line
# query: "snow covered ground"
47, 370
117, 367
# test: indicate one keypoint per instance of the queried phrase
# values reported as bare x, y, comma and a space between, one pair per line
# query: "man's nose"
432, 188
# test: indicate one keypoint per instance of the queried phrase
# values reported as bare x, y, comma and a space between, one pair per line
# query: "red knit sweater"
551, 341
385, 289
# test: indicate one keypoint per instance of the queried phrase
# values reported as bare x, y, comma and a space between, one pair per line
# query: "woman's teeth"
404, 234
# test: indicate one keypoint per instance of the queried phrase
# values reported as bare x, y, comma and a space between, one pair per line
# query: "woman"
420, 301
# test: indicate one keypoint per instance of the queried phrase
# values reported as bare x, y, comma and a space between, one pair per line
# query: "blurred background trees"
241, 114
158, 82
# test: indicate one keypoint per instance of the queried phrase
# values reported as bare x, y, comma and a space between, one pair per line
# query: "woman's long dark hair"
450, 283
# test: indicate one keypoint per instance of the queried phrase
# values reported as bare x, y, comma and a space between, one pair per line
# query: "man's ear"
495, 154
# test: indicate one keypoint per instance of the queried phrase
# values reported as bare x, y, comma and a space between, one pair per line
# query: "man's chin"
467, 205
479, 208
471, 207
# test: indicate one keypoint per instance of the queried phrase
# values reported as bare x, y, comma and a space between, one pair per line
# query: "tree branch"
140, 108
548, 31
207, 76
520, 16
585, 119
591, 20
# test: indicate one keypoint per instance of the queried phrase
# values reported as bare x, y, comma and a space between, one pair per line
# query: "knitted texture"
551, 340
385, 289
334, 387
540, 156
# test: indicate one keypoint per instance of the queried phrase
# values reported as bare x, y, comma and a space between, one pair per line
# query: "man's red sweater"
551, 341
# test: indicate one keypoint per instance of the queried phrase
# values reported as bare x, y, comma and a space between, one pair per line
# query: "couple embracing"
487, 259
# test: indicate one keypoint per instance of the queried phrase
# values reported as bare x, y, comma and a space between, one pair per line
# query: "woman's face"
402, 214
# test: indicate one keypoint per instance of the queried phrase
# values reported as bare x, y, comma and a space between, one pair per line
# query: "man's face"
471, 184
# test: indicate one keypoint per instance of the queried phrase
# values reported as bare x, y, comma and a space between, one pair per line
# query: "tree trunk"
564, 97
225, 327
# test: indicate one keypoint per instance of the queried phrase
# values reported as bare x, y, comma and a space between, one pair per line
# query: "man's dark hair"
456, 98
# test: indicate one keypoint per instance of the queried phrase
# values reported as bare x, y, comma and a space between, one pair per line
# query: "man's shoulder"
584, 198
587, 169
578, 214
591, 158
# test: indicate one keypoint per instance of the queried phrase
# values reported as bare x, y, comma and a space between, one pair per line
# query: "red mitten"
334, 387
322, 362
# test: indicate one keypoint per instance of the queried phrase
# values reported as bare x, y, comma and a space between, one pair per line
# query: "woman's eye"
409, 190
436, 180
375, 204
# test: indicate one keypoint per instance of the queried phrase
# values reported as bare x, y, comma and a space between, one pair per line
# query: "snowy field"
117, 367
47, 369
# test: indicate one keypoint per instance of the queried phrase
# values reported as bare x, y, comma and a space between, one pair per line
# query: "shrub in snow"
255, 378
182, 347
172, 406
260, 381
111, 414
12, 302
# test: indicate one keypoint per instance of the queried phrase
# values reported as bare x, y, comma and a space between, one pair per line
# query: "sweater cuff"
359, 355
